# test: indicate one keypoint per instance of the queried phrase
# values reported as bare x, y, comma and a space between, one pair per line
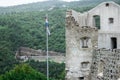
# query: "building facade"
93, 43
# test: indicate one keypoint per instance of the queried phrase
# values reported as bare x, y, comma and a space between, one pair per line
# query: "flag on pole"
47, 25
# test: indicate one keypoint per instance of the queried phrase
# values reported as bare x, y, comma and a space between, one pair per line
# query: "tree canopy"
23, 72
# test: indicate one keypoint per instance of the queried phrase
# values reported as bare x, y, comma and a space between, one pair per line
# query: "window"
113, 43
81, 78
84, 42
96, 21
107, 4
111, 20
84, 64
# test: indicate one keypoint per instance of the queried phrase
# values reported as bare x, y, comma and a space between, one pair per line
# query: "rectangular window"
111, 20
107, 4
81, 78
84, 64
97, 21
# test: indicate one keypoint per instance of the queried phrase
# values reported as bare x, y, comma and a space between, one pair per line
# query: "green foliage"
56, 70
24, 26
7, 60
62, 75
46, 5
27, 29
23, 72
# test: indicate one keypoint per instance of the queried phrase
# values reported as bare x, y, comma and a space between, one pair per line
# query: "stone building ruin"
25, 54
93, 43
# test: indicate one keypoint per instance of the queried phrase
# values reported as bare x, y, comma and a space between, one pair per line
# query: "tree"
7, 60
56, 70
23, 72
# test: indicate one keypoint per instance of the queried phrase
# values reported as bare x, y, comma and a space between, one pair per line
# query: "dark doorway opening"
114, 43
97, 21
81, 78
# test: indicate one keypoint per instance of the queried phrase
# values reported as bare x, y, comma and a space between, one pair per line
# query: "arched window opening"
84, 42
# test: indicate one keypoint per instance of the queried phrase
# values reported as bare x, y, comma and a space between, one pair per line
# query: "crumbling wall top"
102, 50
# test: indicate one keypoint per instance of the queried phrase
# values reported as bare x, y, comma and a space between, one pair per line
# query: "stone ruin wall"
75, 54
105, 62
110, 60
58, 59
25, 53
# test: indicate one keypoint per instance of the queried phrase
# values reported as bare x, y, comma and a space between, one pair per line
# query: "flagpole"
47, 53
47, 56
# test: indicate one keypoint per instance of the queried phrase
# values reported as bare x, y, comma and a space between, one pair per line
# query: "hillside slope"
52, 4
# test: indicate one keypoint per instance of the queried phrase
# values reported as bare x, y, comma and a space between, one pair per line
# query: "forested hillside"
28, 29
23, 25
52, 4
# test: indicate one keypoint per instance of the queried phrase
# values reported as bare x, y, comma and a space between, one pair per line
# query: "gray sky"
4, 3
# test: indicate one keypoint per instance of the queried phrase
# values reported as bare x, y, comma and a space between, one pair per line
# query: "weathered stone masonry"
91, 53
105, 64
80, 42
25, 53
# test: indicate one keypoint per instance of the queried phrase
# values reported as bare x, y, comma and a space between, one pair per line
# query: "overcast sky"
18, 2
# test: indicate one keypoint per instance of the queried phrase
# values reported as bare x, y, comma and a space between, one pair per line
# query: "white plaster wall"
104, 40
112, 11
